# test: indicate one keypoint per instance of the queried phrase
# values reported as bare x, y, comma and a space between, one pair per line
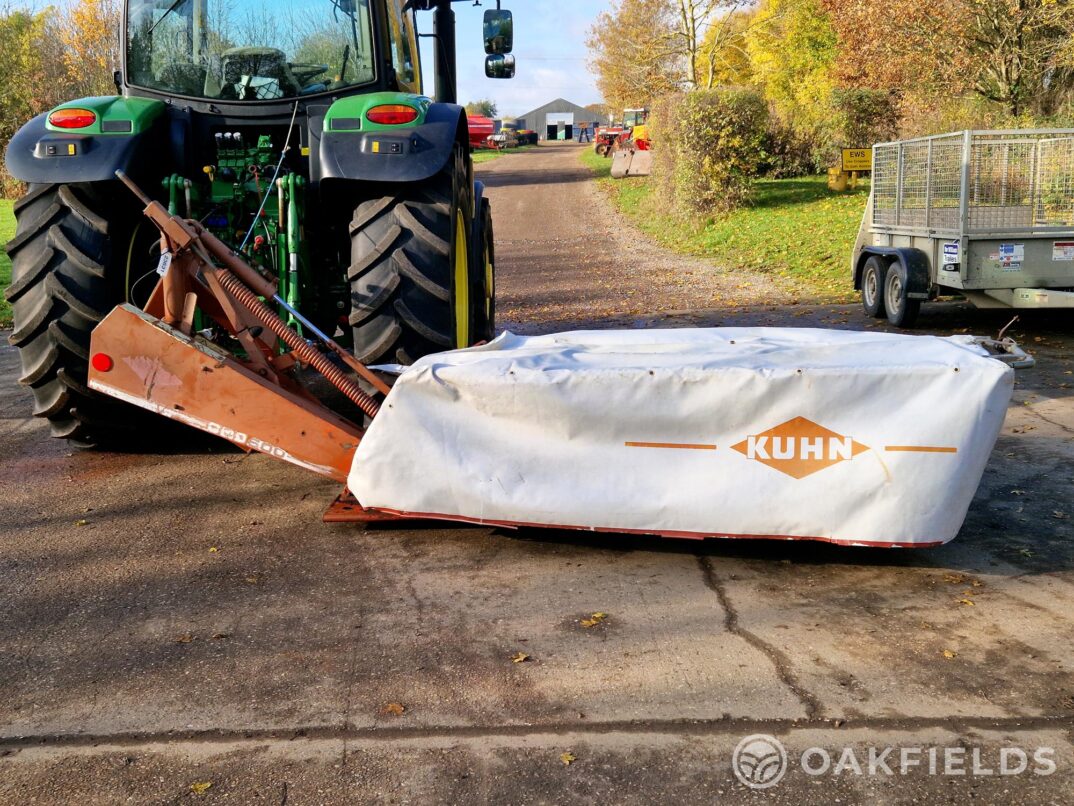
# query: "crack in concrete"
674, 727
778, 659
1035, 413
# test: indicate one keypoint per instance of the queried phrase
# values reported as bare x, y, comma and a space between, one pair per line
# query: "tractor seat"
257, 74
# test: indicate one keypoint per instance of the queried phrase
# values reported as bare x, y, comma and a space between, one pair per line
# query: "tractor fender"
39, 155
405, 154
918, 274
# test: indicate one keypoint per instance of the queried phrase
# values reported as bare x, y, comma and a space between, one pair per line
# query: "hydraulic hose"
302, 349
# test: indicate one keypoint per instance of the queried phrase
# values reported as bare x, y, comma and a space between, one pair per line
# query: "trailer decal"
1063, 250
1011, 256
950, 256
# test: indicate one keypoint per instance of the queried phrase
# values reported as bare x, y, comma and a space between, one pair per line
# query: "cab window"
404, 47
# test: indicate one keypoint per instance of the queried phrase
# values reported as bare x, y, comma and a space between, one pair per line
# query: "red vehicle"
481, 129
604, 137
632, 133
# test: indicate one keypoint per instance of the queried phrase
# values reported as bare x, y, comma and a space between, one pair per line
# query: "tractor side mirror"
499, 31
499, 66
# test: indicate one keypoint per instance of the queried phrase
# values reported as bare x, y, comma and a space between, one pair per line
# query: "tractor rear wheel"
411, 291
62, 285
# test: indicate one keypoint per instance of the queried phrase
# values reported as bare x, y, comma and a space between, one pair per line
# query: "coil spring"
301, 348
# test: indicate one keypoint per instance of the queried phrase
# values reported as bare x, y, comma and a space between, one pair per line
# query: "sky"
549, 48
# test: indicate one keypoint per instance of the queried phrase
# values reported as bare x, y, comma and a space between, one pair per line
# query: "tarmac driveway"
173, 621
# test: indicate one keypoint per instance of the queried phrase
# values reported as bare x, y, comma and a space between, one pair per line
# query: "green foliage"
792, 47
485, 107
7, 232
708, 146
795, 229
865, 116
488, 154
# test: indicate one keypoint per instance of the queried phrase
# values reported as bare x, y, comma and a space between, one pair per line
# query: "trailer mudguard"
116, 141
404, 153
919, 281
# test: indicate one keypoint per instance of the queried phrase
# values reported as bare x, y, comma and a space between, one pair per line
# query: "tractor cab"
635, 117
268, 50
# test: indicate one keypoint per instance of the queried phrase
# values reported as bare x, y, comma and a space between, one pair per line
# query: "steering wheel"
305, 73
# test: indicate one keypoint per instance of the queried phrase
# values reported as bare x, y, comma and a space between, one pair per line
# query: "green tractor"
297, 133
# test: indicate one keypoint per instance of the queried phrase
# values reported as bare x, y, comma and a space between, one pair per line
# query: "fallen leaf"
966, 602
394, 708
954, 579
213, 549
519, 657
216, 636
594, 620
947, 653
81, 522
567, 758
1059, 515
201, 787
976, 583
1018, 492
185, 638
1025, 552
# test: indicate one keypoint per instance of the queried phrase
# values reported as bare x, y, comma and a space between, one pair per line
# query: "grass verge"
7, 232
487, 154
794, 228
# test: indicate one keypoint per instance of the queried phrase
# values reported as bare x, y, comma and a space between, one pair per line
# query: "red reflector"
392, 114
72, 118
102, 362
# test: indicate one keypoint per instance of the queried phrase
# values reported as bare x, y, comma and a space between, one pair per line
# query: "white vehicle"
505, 138
988, 215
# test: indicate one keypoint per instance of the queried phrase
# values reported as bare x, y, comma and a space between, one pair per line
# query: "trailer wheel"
901, 311
410, 269
64, 280
872, 286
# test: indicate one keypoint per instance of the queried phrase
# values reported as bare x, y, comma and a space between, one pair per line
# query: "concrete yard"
184, 618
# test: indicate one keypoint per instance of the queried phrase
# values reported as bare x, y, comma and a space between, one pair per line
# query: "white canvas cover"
842, 436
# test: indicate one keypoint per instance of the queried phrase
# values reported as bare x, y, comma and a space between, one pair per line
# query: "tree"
89, 35
722, 59
792, 48
484, 107
631, 57
600, 112
1013, 53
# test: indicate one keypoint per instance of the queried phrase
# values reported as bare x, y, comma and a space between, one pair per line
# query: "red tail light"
392, 114
102, 362
72, 118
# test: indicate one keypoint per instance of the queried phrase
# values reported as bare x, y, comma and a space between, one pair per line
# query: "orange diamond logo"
799, 447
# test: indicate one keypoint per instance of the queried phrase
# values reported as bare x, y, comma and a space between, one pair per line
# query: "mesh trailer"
988, 215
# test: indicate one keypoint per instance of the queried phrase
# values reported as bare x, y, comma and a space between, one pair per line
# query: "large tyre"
873, 275
410, 269
62, 284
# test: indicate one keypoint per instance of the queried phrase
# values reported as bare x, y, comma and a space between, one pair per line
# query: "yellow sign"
857, 159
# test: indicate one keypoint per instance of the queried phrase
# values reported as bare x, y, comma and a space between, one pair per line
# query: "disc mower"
273, 237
